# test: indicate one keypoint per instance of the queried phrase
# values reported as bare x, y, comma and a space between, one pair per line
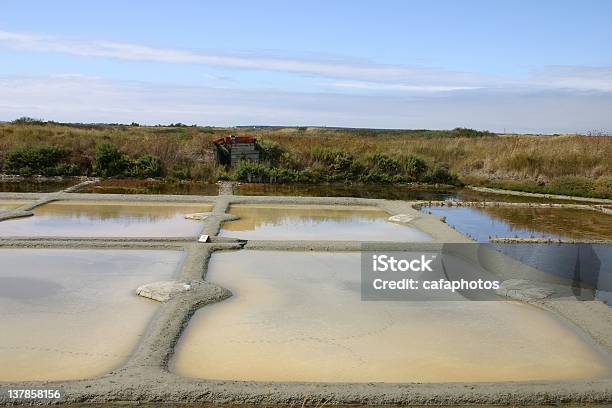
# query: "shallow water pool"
135, 186
483, 223
299, 317
11, 204
304, 222
107, 219
68, 314
35, 186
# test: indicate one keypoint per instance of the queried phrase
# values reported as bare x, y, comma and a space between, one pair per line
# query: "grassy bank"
564, 164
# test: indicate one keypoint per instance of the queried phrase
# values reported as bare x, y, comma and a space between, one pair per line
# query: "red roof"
235, 139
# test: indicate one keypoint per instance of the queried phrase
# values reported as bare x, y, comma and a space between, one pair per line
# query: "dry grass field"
566, 164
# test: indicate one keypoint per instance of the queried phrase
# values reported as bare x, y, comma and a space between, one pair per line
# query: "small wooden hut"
229, 150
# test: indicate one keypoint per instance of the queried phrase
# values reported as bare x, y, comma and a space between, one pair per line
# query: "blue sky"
522, 66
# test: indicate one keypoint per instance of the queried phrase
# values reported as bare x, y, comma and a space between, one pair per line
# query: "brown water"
11, 204
34, 186
134, 186
553, 223
298, 317
389, 192
107, 219
68, 314
280, 222
385, 191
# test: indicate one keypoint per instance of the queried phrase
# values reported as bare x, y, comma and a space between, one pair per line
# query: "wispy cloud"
407, 77
344, 93
77, 98
574, 77
377, 86
347, 74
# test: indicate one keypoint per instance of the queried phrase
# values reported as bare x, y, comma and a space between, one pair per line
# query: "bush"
564, 185
65, 169
252, 172
340, 164
110, 162
441, 175
34, 160
255, 172
603, 187
375, 176
466, 132
147, 166
572, 185
337, 159
181, 170
24, 120
270, 151
386, 164
415, 167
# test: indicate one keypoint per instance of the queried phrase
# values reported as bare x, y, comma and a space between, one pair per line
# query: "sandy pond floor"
280, 222
107, 219
11, 204
299, 317
320, 317
68, 314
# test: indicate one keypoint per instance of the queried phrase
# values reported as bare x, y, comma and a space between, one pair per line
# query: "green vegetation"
565, 164
600, 187
47, 160
110, 162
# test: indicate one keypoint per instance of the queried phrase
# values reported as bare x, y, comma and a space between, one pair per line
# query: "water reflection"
133, 186
483, 223
106, 219
389, 192
385, 191
33, 186
304, 222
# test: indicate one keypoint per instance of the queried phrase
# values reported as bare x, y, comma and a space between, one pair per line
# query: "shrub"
386, 164
572, 185
110, 161
181, 170
375, 176
336, 158
40, 159
65, 169
223, 175
441, 175
147, 166
24, 120
250, 171
255, 172
341, 164
603, 187
206, 171
270, 151
529, 186
467, 132
415, 167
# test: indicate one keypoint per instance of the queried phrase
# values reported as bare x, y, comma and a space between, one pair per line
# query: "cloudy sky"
519, 66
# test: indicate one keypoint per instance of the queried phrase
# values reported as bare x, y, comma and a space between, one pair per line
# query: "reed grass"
519, 162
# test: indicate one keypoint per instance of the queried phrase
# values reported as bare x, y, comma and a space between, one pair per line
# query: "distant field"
564, 164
